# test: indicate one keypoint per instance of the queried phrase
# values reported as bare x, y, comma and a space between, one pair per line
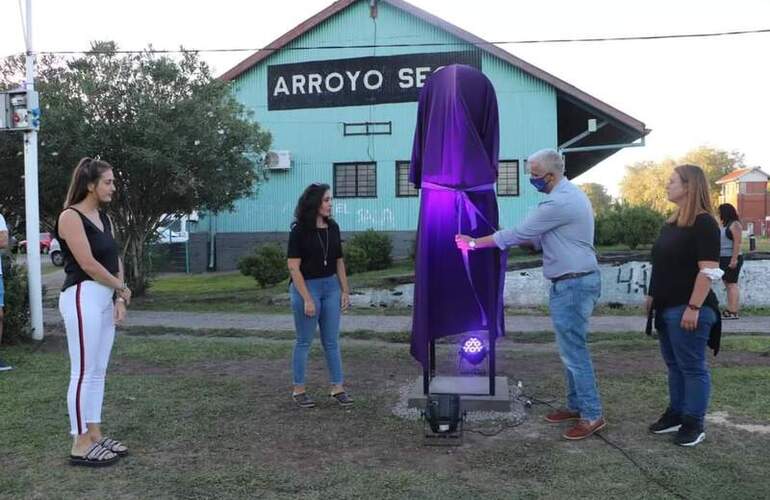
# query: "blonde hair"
698, 200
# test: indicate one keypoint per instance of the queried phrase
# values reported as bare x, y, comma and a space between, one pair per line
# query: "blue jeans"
689, 381
326, 294
571, 302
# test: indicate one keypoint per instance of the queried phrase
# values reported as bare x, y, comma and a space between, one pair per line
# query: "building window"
367, 128
404, 188
508, 178
355, 180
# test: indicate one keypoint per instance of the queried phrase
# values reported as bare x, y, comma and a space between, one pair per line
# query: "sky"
692, 92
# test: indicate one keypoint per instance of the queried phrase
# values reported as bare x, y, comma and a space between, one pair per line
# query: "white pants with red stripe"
87, 310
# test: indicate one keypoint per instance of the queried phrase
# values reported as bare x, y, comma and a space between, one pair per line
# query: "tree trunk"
136, 265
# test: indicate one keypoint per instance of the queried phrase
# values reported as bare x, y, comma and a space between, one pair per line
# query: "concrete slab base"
473, 391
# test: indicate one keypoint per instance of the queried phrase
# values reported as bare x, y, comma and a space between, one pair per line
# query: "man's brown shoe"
584, 428
562, 415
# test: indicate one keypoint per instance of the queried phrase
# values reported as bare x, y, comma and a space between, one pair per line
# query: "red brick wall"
754, 205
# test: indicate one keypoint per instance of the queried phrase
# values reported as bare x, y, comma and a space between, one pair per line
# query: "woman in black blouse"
319, 289
685, 263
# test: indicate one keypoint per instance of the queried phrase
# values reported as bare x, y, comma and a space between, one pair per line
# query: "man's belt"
570, 276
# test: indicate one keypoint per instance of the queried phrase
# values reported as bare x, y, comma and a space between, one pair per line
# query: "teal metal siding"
315, 136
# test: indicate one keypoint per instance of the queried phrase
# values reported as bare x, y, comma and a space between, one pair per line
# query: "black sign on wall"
358, 81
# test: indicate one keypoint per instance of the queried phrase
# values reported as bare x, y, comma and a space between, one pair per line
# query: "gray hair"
550, 159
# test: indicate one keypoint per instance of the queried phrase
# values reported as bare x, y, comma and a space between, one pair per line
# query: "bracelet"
693, 307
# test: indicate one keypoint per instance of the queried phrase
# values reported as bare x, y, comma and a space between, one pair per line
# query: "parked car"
45, 243
54, 251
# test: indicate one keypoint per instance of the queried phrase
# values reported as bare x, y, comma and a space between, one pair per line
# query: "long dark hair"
728, 214
88, 171
309, 202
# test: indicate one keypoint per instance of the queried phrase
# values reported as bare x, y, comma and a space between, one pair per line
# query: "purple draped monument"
454, 163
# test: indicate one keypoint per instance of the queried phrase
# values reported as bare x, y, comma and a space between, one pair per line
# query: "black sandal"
114, 446
343, 399
728, 314
303, 400
96, 456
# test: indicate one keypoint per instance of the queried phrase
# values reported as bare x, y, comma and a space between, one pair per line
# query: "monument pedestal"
473, 391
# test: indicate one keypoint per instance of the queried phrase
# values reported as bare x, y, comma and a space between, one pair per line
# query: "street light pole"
31, 193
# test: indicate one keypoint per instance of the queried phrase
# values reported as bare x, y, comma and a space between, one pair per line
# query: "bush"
267, 265
16, 309
377, 246
629, 225
641, 225
606, 228
356, 260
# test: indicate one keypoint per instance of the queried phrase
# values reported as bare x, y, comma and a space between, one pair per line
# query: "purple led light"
473, 345
473, 350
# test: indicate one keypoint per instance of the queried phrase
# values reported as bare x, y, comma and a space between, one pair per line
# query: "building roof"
737, 174
574, 106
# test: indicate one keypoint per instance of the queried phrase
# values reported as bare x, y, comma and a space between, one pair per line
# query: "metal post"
492, 368
31, 194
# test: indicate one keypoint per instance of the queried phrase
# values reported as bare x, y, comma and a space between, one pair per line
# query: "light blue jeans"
571, 302
326, 294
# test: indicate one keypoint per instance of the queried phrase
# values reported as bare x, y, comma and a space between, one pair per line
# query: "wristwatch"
472, 244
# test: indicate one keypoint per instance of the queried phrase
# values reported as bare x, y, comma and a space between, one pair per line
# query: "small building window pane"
404, 188
355, 180
508, 178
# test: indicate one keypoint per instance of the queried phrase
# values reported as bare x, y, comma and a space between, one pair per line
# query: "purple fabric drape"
454, 163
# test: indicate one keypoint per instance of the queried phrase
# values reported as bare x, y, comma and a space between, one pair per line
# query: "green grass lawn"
208, 416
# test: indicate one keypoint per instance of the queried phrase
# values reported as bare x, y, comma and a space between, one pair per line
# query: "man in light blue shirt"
562, 226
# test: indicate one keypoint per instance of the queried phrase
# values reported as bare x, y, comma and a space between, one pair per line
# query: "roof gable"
571, 92
736, 175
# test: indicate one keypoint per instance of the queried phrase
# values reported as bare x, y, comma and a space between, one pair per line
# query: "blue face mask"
539, 182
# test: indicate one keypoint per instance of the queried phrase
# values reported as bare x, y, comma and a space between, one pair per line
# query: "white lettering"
314, 82
368, 84
406, 80
340, 81
297, 82
281, 87
422, 74
353, 79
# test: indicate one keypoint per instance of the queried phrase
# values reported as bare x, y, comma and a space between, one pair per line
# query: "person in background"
730, 257
3, 244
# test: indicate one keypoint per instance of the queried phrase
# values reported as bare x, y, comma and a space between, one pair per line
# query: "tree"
631, 225
176, 137
598, 195
645, 182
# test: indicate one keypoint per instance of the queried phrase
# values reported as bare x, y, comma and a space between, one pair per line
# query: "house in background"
746, 190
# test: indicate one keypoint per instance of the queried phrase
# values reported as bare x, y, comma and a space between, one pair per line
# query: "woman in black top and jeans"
93, 298
319, 289
685, 263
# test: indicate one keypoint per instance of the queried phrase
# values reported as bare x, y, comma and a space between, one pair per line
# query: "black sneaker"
668, 422
303, 400
4, 367
690, 433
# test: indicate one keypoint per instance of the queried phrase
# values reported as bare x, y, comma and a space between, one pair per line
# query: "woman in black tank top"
94, 297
